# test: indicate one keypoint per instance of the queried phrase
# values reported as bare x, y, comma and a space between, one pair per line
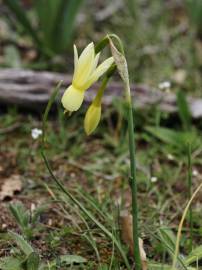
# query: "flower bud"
92, 118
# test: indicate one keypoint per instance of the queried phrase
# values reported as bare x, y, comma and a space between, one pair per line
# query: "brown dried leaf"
11, 185
127, 237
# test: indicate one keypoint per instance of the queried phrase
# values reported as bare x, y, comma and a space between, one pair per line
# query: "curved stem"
122, 67
109, 73
177, 245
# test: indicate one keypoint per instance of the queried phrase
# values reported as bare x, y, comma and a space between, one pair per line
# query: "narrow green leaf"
47, 12
133, 8
47, 110
65, 23
194, 8
168, 238
194, 256
33, 261
20, 241
178, 139
20, 214
183, 109
20, 14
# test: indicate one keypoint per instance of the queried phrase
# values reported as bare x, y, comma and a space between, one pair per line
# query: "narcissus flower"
86, 73
92, 118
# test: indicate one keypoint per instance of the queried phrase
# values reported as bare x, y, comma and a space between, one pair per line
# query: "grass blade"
183, 109
167, 236
65, 22
85, 211
47, 110
194, 256
19, 12
47, 11
181, 224
168, 248
133, 8
20, 214
194, 8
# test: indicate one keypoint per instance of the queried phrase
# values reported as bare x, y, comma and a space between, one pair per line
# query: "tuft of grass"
26, 220
55, 19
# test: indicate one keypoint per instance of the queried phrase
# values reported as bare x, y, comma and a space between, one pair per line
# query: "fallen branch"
32, 89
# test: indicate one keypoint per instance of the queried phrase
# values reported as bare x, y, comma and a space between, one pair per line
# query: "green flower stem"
61, 186
120, 60
98, 98
101, 45
133, 181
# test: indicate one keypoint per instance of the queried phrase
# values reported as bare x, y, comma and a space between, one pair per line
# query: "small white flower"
164, 85
36, 133
170, 157
195, 172
154, 179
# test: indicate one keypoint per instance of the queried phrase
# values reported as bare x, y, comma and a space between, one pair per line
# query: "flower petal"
72, 98
76, 58
100, 70
96, 59
84, 66
92, 118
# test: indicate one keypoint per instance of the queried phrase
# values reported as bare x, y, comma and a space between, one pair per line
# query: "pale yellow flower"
92, 118
86, 73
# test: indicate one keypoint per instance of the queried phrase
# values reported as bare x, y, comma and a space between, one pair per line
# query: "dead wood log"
32, 89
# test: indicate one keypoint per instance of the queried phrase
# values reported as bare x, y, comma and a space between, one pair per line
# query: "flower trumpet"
86, 72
